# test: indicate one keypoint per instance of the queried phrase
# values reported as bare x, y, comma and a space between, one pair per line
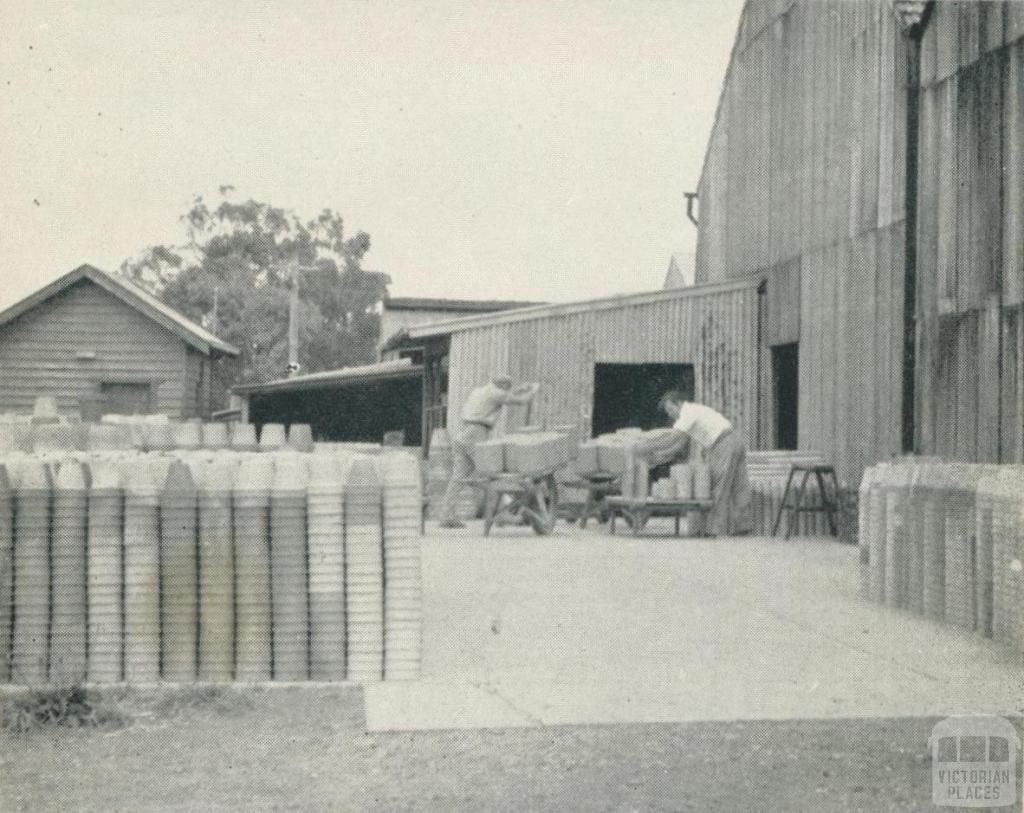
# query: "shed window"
122, 398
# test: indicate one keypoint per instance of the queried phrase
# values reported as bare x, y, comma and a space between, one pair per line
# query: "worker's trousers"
463, 441
730, 484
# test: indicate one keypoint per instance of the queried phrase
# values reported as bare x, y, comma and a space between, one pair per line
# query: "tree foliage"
240, 256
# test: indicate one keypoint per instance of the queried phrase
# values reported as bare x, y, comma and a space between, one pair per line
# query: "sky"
525, 150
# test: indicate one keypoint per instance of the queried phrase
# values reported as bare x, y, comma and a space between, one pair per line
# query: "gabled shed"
92, 337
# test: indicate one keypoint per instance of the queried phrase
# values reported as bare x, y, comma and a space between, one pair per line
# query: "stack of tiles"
31, 571
896, 492
403, 600
178, 574
984, 505
663, 489
159, 437
586, 461
877, 534
489, 456
300, 437
960, 554
288, 561
141, 573
933, 545
636, 475
1008, 557
8, 436
364, 582
914, 552
326, 543
682, 476
864, 529
188, 435
251, 502
216, 572
272, 437
108, 437
67, 575
214, 435
6, 572
243, 437
104, 575
611, 453
53, 437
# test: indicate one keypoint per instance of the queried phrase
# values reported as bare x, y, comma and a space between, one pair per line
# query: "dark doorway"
627, 394
786, 385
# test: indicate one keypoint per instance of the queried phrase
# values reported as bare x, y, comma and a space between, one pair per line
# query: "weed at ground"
73, 707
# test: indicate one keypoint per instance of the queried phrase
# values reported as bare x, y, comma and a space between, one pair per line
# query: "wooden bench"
637, 511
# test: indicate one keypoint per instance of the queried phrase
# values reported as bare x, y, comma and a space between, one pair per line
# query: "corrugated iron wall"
803, 183
971, 233
806, 176
714, 331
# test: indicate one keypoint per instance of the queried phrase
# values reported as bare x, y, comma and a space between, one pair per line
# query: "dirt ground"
306, 749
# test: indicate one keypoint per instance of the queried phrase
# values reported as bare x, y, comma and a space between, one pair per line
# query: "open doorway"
627, 394
786, 386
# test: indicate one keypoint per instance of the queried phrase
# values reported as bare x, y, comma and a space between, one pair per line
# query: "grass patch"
74, 707
212, 700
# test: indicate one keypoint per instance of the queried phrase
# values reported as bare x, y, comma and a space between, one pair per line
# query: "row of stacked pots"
946, 540
209, 566
151, 435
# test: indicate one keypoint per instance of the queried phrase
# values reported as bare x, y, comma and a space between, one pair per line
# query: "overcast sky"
529, 150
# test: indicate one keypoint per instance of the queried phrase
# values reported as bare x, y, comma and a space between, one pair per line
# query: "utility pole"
293, 321
215, 318
294, 269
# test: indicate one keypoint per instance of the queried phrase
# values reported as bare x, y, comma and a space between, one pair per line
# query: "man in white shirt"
723, 451
479, 414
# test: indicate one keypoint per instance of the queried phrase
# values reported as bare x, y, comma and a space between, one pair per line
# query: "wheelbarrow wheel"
543, 507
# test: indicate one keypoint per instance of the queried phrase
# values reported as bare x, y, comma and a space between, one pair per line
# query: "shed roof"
409, 303
133, 296
447, 326
401, 368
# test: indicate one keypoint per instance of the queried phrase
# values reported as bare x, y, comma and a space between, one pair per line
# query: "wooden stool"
828, 503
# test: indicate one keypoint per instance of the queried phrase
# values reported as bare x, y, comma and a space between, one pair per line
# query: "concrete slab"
586, 628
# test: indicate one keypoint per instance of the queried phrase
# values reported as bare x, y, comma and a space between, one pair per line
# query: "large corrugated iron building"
603, 363
867, 159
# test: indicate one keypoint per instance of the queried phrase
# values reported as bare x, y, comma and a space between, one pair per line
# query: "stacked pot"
288, 568
104, 542
178, 574
216, 571
251, 504
326, 546
32, 483
403, 599
1008, 556
6, 573
142, 572
364, 573
67, 576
